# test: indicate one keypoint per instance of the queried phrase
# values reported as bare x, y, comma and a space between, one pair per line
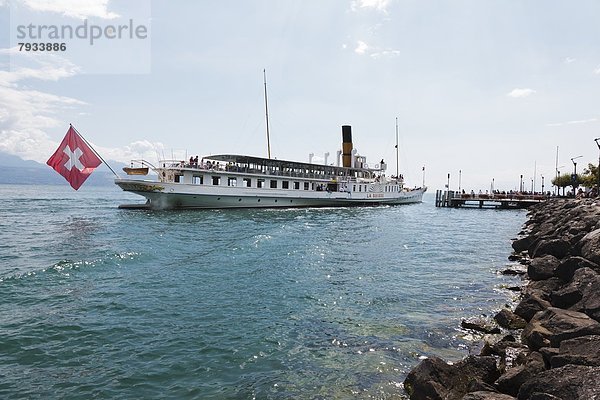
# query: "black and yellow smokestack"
346, 146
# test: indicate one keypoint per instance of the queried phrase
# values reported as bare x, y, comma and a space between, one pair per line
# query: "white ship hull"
188, 196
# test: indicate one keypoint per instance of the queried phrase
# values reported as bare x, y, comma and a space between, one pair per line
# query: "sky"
484, 90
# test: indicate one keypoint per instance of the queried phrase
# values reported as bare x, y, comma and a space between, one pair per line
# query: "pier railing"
450, 198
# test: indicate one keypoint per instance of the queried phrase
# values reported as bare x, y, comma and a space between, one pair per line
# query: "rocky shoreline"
548, 347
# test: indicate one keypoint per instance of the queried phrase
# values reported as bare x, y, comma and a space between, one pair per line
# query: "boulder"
512, 379
479, 386
544, 288
433, 378
520, 245
550, 327
567, 267
509, 320
543, 396
530, 305
584, 350
487, 396
566, 297
517, 257
479, 325
542, 268
548, 353
513, 271
581, 294
507, 349
590, 246
571, 382
558, 248
575, 239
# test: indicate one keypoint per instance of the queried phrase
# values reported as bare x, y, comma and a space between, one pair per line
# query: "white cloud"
142, 149
597, 70
519, 93
361, 47
574, 122
26, 114
374, 52
32, 65
80, 9
569, 60
379, 5
385, 53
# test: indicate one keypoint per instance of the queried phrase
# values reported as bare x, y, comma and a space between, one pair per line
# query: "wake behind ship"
240, 181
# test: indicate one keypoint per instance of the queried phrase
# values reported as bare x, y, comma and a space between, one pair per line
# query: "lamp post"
531, 185
575, 164
459, 179
542, 184
574, 176
598, 170
557, 180
521, 185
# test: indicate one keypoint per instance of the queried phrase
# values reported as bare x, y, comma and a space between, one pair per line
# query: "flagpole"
94, 150
397, 158
267, 114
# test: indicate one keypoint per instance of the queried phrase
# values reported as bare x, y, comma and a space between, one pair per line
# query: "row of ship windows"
274, 184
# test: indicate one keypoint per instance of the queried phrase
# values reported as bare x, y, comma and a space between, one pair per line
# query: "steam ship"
241, 181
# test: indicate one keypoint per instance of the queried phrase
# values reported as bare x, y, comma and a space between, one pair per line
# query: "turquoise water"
97, 302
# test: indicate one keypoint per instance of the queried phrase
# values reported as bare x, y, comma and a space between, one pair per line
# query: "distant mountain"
9, 160
16, 171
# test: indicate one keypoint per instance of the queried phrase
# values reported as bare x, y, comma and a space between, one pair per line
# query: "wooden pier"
450, 198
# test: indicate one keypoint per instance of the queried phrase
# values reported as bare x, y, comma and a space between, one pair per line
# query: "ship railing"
208, 166
500, 196
142, 163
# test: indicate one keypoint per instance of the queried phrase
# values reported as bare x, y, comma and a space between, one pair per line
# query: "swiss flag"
74, 159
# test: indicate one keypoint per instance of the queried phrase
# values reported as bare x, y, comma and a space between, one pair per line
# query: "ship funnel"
346, 146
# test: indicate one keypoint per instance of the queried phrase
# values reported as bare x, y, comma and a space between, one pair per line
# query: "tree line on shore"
588, 178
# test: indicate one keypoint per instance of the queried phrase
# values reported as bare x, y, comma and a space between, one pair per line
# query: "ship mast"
267, 114
397, 158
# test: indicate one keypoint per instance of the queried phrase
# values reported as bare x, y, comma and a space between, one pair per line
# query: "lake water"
97, 302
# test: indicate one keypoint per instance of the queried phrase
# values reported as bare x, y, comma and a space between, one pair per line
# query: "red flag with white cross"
74, 159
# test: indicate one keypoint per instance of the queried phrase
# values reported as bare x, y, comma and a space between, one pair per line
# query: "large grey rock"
510, 381
543, 288
581, 294
571, 382
530, 305
507, 350
522, 244
590, 246
558, 248
550, 327
584, 350
543, 396
542, 268
509, 320
548, 353
566, 297
479, 325
487, 396
434, 379
567, 267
